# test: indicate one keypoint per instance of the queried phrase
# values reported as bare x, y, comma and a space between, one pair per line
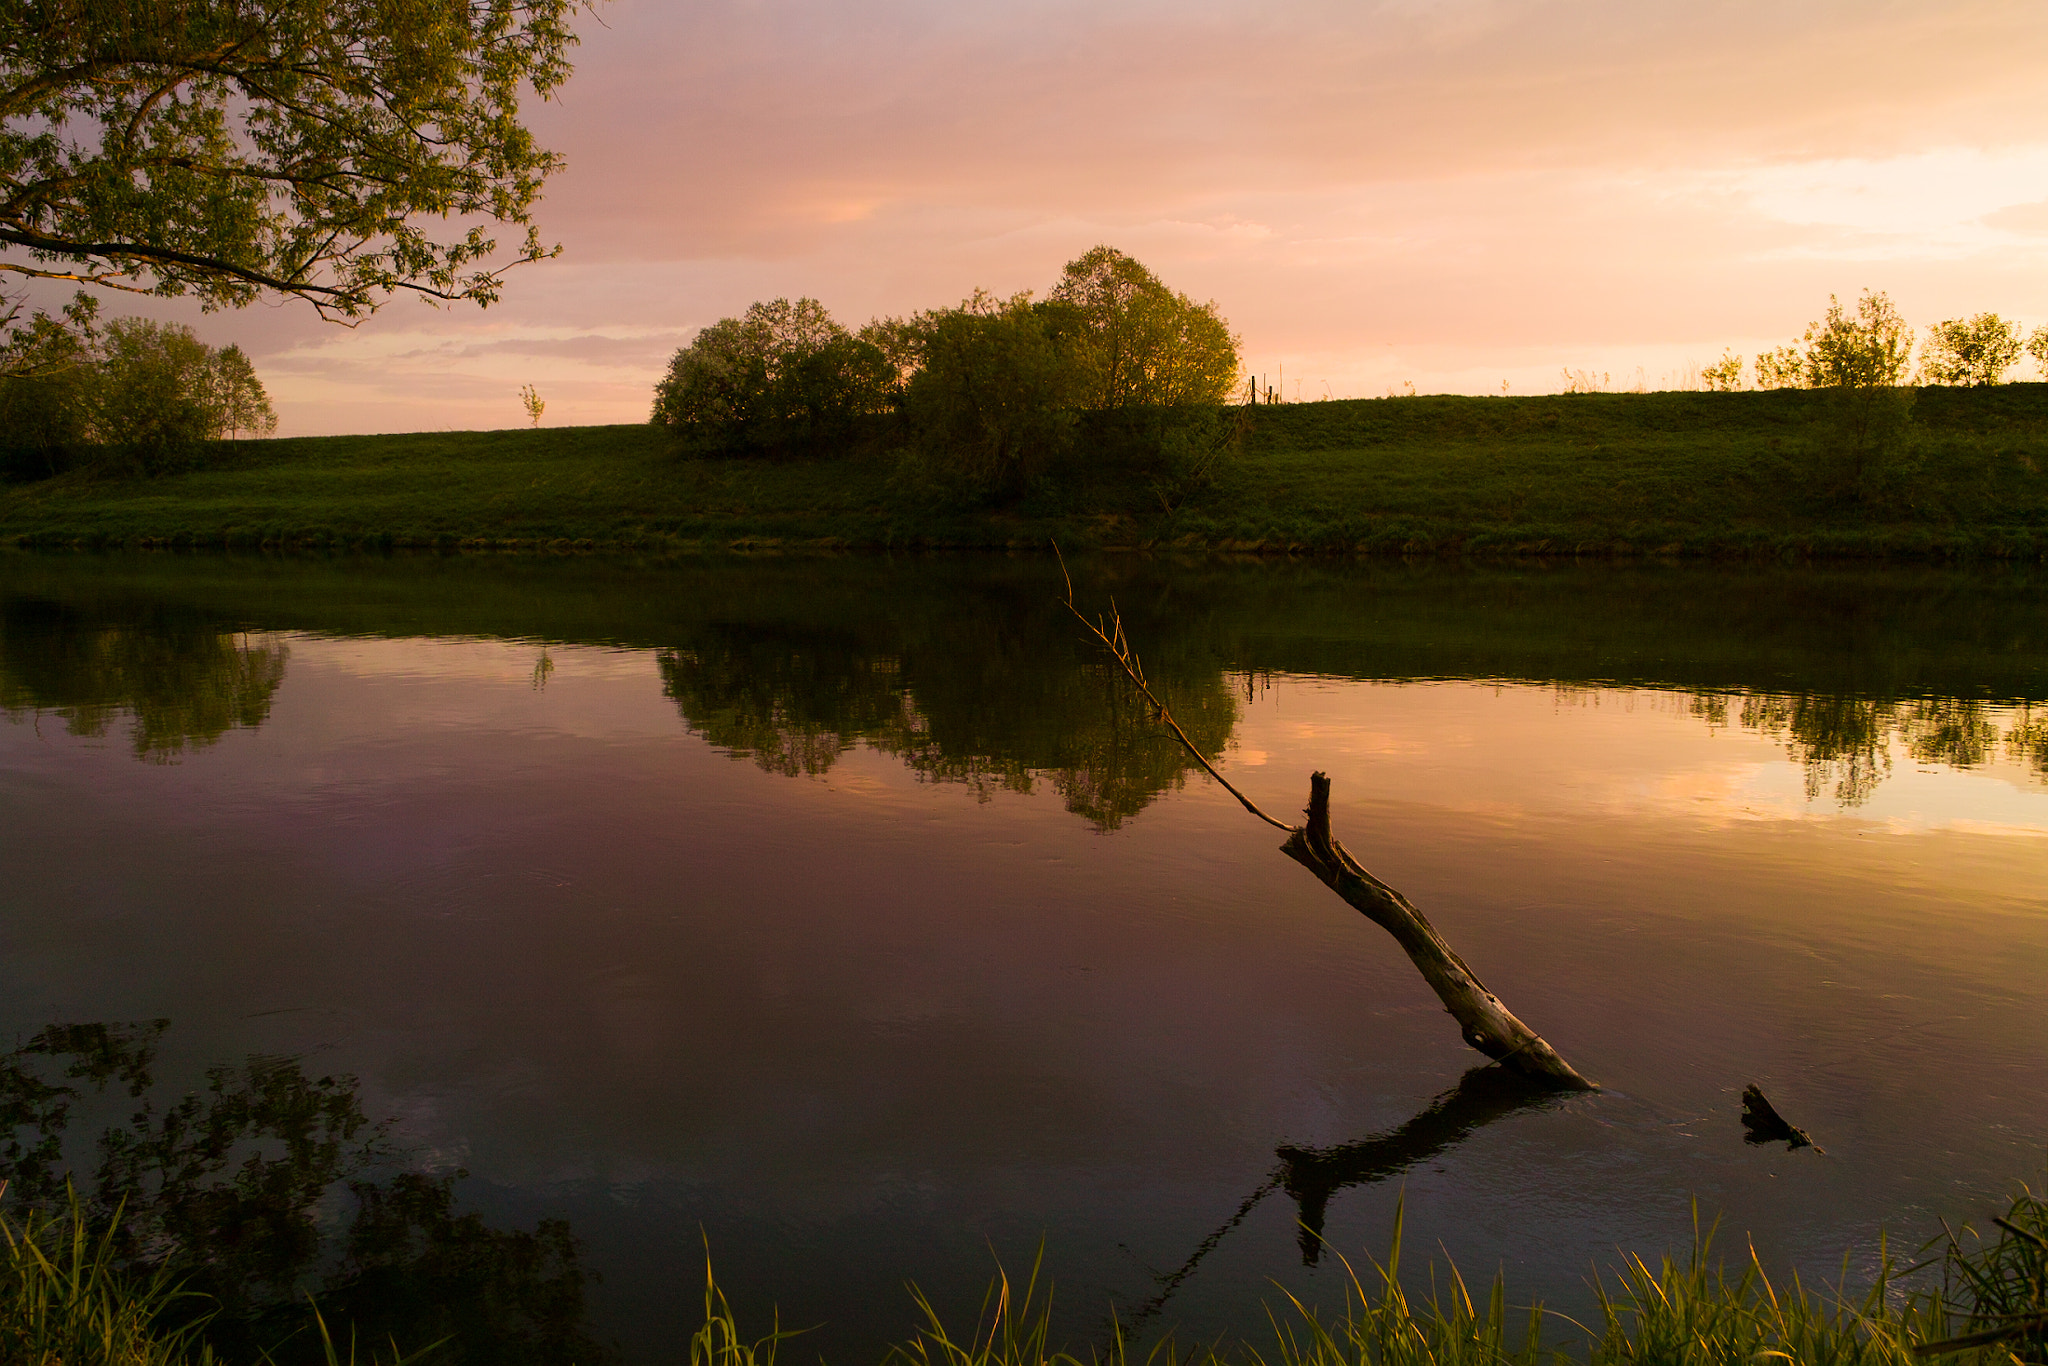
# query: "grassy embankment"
1677, 473
63, 1302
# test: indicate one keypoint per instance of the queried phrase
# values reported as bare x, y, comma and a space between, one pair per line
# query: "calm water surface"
843, 912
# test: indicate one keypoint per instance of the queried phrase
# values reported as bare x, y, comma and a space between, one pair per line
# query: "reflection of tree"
2028, 740
182, 679
1949, 730
227, 1188
793, 702
995, 699
1845, 742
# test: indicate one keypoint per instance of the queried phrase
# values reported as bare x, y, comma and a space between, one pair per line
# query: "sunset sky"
1453, 193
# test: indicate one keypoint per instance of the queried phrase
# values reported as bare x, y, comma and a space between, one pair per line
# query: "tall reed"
63, 1302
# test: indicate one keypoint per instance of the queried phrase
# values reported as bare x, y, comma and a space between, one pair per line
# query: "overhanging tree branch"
203, 147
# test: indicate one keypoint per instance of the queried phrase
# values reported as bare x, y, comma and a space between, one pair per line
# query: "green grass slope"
1681, 473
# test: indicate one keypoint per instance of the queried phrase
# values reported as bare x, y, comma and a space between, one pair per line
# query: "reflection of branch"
1484, 1022
1111, 634
1149, 1310
1312, 1175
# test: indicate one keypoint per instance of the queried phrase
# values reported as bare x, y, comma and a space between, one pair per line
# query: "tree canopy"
234, 148
1139, 343
782, 374
1976, 350
134, 393
1872, 349
985, 398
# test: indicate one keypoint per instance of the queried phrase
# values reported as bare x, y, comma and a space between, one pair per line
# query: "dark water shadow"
1310, 1176
269, 1192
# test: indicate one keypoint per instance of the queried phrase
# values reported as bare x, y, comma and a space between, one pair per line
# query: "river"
846, 916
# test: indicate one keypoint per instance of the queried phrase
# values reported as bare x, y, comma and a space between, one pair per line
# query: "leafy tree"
993, 402
2037, 347
783, 375
45, 374
1865, 443
1975, 350
715, 384
1724, 375
1782, 367
152, 399
138, 392
238, 395
158, 392
234, 148
1874, 349
1138, 343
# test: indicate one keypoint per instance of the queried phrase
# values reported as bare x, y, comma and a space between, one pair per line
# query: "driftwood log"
1485, 1023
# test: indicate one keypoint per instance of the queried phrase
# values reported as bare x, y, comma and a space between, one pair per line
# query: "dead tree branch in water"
1485, 1023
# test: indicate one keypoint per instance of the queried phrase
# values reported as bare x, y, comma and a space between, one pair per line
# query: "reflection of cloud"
454, 659
1515, 753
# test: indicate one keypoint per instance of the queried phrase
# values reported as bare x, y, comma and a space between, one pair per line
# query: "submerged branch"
1485, 1023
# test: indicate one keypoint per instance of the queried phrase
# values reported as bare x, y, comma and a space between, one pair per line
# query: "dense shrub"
783, 377
993, 400
139, 395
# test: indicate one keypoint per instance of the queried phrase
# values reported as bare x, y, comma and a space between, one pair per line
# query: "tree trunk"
1486, 1024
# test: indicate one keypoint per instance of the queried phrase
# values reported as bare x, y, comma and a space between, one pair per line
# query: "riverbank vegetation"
978, 404
1683, 473
1104, 414
67, 1300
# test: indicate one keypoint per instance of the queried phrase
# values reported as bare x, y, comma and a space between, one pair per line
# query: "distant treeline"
1876, 347
980, 399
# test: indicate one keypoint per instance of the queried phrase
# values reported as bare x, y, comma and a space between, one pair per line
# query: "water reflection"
1310, 1176
1845, 744
237, 1188
182, 677
969, 672
488, 846
996, 702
